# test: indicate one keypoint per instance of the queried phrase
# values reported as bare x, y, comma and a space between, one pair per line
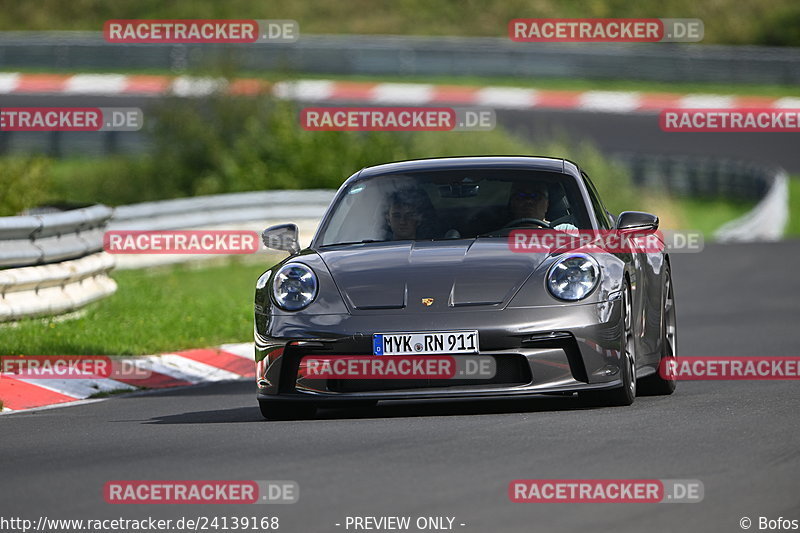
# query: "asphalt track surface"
457, 458
610, 132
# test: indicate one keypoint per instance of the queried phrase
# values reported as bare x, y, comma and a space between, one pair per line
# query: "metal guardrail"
49, 238
205, 211
414, 55
700, 177
53, 262
251, 211
54, 289
766, 221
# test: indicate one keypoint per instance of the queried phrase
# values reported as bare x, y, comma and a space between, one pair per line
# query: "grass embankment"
153, 311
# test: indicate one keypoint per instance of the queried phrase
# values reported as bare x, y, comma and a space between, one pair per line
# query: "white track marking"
712, 101
303, 90
242, 349
8, 82
96, 84
506, 97
402, 93
79, 388
613, 101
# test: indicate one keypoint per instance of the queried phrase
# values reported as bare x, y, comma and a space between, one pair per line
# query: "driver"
530, 200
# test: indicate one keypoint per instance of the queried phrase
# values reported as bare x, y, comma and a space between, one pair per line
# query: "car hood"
399, 275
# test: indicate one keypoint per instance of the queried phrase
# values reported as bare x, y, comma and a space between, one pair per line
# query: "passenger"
410, 216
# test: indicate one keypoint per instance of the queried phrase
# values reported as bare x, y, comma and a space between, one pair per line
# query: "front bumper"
538, 350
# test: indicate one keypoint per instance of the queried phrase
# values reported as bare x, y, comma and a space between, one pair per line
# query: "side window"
600, 211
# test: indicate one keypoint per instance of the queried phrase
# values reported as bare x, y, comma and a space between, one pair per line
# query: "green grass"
793, 227
726, 21
88, 180
153, 311
707, 215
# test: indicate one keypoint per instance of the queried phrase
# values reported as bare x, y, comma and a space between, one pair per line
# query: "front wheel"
656, 384
282, 410
626, 393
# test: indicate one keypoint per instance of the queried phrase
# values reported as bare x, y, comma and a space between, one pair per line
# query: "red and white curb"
379, 93
190, 367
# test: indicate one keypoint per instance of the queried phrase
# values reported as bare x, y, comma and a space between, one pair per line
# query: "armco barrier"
415, 55
53, 263
766, 221
204, 211
46, 290
698, 177
251, 211
49, 238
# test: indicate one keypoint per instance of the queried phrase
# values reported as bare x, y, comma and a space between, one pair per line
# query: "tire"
282, 410
656, 385
626, 393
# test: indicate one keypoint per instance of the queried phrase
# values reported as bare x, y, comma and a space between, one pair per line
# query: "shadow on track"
396, 409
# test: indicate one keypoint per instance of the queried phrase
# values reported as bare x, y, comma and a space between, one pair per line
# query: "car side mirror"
282, 237
637, 221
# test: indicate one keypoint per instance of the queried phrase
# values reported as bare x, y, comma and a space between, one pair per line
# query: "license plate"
428, 343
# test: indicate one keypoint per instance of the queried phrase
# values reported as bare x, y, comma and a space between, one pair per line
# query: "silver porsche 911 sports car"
416, 258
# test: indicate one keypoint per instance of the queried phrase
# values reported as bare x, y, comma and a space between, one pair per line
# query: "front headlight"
573, 277
294, 287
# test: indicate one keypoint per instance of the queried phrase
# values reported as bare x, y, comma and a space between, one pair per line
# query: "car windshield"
453, 204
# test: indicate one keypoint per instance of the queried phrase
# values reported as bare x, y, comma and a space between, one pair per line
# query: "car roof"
550, 164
